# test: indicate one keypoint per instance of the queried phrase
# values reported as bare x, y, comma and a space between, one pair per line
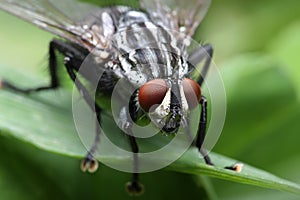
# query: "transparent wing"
80, 23
179, 15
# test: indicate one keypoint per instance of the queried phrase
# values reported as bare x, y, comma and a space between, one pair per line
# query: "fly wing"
178, 15
84, 24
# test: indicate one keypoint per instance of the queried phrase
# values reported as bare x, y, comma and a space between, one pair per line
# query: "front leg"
204, 52
202, 131
201, 136
55, 45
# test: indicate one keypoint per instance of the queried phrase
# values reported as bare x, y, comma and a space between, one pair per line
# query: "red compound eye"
151, 93
192, 92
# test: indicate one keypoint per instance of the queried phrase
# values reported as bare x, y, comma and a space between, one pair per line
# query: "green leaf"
23, 179
233, 191
249, 175
29, 173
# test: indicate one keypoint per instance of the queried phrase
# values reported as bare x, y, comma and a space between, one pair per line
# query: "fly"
148, 48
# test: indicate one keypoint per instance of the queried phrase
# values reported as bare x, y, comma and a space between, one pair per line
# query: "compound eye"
192, 92
151, 93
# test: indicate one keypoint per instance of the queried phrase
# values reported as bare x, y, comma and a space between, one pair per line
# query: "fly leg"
73, 60
54, 82
205, 52
133, 187
201, 136
202, 130
89, 163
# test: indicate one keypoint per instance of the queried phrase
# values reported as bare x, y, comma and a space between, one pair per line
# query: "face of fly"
168, 102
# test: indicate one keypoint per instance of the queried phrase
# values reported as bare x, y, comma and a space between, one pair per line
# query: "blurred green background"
257, 45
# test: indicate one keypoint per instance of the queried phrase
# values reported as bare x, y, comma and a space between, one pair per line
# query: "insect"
148, 48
